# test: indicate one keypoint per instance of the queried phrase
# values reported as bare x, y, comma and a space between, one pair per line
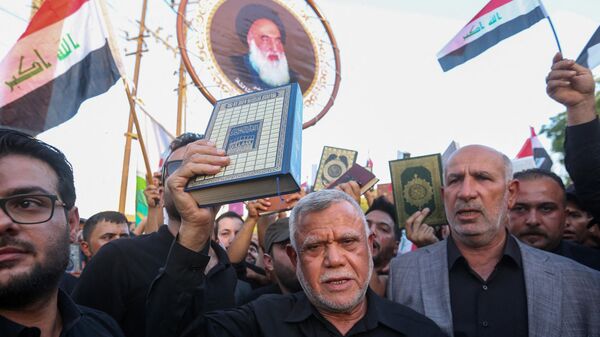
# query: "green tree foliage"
555, 130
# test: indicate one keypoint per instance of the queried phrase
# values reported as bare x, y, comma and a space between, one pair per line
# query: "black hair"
383, 205
14, 142
537, 173
229, 214
110, 216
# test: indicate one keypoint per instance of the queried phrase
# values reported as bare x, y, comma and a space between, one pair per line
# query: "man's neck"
173, 226
343, 322
43, 314
483, 259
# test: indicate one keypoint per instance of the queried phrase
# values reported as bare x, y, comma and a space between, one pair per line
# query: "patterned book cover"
334, 162
417, 184
262, 135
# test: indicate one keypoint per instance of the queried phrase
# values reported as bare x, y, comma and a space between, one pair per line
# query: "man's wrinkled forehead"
474, 158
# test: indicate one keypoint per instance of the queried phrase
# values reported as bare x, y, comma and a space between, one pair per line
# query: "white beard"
273, 73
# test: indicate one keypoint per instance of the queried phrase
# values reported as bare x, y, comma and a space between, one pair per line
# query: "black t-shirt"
117, 279
77, 321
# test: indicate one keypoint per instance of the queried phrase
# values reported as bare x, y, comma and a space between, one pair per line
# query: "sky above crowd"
393, 94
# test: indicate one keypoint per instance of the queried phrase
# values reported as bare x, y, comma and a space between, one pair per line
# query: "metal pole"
136, 73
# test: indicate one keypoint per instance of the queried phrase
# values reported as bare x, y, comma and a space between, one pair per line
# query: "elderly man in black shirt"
330, 248
37, 200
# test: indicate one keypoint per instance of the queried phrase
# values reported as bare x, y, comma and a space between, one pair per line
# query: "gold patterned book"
417, 184
334, 162
261, 132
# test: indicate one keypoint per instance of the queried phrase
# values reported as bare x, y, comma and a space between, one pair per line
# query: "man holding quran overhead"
329, 248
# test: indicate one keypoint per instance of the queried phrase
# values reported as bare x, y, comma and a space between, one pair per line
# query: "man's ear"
370, 239
85, 248
291, 253
268, 262
513, 191
73, 222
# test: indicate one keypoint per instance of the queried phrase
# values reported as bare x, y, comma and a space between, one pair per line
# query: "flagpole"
181, 90
128, 135
555, 36
139, 132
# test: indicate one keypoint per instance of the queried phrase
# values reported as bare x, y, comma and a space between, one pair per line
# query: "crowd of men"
520, 255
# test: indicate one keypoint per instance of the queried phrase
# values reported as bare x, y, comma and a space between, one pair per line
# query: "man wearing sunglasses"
37, 201
117, 279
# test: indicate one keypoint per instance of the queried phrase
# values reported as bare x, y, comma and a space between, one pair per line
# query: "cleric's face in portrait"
266, 52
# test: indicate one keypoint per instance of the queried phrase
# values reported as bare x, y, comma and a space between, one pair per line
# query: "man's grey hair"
318, 201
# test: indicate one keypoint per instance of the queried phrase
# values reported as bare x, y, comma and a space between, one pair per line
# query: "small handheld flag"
533, 148
498, 20
590, 55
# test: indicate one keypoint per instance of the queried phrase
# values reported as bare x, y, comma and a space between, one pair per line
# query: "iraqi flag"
590, 56
498, 20
533, 148
63, 58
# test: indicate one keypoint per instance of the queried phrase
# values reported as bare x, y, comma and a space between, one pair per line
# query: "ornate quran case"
262, 135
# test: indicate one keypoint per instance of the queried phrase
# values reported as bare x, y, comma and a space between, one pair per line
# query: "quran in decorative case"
262, 135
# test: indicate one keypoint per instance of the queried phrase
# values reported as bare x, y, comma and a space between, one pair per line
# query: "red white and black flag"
498, 20
590, 55
533, 148
63, 58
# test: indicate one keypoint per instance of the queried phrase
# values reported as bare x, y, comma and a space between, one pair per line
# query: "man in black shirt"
481, 281
330, 248
538, 217
37, 200
117, 279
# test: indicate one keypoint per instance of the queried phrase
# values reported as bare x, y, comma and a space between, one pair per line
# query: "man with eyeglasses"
117, 279
37, 201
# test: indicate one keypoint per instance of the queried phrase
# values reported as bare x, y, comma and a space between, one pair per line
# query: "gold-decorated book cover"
417, 184
261, 132
334, 162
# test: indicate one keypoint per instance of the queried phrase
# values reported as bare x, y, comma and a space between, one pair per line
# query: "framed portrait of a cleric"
417, 184
232, 47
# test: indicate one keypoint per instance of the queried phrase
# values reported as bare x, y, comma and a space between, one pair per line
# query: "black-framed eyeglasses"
30, 209
169, 168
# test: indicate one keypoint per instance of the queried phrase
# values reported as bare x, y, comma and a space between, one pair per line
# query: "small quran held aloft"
417, 183
363, 177
261, 132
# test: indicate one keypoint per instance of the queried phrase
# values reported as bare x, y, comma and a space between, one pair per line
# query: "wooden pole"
139, 132
136, 75
180, 97
181, 90
35, 5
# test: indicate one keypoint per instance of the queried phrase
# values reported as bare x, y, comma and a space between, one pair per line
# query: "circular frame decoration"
316, 69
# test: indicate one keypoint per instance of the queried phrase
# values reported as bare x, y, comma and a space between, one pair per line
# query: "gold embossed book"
261, 133
417, 183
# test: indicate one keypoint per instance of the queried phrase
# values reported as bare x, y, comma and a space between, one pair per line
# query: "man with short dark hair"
117, 279
100, 229
330, 247
481, 280
37, 201
227, 225
277, 237
539, 214
381, 217
580, 226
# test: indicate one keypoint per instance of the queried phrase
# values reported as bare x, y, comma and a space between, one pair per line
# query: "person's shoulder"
558, 263
406, 320
96, 321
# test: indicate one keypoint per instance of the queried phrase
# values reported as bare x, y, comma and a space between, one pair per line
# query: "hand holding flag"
570, 84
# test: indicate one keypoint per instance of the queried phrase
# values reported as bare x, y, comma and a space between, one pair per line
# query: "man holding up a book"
330, 248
